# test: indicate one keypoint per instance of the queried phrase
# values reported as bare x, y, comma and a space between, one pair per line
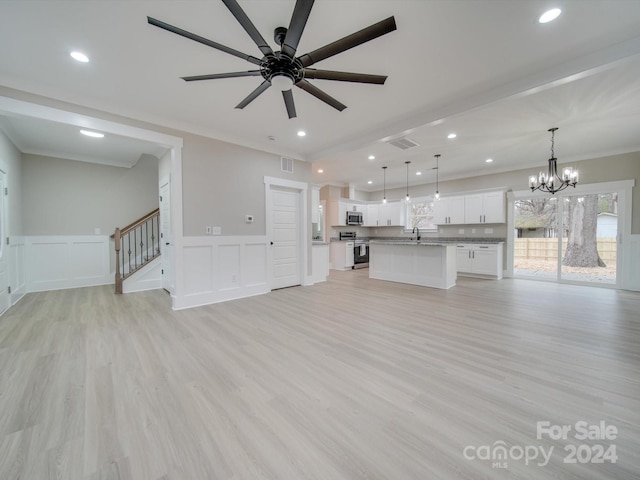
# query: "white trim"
624, 188
12, 106
305, 225
67, 261
223, 268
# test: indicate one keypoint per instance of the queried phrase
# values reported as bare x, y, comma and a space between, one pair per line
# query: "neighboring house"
607, 225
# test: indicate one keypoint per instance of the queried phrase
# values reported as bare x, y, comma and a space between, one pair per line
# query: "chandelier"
550, 181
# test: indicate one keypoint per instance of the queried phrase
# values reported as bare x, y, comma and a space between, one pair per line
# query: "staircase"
136, 245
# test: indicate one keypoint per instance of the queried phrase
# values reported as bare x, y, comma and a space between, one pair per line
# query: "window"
420, 214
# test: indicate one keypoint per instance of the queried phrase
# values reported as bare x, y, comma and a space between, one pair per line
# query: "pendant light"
437, 194
407, 198
384, 184
550, 181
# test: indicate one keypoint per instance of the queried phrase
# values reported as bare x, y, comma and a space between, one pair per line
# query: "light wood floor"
351, 379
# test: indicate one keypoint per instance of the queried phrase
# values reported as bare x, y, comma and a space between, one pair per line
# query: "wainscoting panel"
57, 262
223, 268
632, 269
228, 264
198, 272
255, 266
17, 269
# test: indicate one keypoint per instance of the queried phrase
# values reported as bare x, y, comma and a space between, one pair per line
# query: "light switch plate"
248, 218
207, 230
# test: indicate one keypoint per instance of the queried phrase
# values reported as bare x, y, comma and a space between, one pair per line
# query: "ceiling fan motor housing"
280, 64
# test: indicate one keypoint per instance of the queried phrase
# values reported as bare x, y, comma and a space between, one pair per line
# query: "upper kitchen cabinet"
315, 205
449, 210
371, 215
485, 208
391, 214
338, 211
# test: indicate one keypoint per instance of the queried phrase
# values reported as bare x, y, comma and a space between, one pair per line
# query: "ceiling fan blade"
214, 76
204, 41
298, 21
253, 95
344, 76
288, 102
248, 26
358, 38
320, 95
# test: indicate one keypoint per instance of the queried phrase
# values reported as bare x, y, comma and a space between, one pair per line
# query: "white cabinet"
485, 208
342, 255
479, 259
320, 262
391, 214
371, 215
315, 205
449, 210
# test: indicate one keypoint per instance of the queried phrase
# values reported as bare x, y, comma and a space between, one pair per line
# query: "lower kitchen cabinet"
342, 255
479, 259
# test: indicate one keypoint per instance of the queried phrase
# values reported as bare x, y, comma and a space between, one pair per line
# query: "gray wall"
223, 182
606, 169
10, 163
67, 197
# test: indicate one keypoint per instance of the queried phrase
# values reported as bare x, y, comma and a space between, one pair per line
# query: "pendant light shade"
550, 181
384, 184
407, 198
436, 196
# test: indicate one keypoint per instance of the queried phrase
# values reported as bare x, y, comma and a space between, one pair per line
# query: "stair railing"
139, 243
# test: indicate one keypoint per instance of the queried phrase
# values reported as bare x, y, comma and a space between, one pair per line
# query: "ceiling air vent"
403, 143
286, 164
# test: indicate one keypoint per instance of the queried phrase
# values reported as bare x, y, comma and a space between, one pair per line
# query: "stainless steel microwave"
354, 218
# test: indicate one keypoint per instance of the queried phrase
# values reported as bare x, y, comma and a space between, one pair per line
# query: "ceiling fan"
282, 68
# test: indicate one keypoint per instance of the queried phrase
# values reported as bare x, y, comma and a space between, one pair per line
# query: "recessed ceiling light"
320, 170
370, 182
79, 56
372, 157
452, 135
550, 15
91, 134
302, 133
418, 173
489, 160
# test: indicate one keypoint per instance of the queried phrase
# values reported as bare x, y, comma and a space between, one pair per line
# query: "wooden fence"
547, 249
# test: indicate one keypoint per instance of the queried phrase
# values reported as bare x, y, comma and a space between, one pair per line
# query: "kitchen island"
418, 263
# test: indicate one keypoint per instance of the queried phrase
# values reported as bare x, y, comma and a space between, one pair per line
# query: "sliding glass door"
572, 238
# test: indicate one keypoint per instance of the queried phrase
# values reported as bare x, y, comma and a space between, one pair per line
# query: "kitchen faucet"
414, 231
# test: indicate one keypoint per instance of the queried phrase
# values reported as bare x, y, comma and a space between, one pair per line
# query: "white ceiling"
485, 69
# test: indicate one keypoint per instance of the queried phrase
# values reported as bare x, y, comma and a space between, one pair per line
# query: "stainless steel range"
360, 250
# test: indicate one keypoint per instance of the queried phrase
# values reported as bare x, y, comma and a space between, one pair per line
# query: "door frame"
303, 225
13, 107
624, 189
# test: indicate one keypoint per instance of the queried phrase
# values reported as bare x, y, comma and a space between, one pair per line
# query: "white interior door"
4, 234
285, 235
166, 247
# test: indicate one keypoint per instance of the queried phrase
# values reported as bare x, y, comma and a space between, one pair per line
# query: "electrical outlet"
460, 231
216, 230
208, 231
488, 230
